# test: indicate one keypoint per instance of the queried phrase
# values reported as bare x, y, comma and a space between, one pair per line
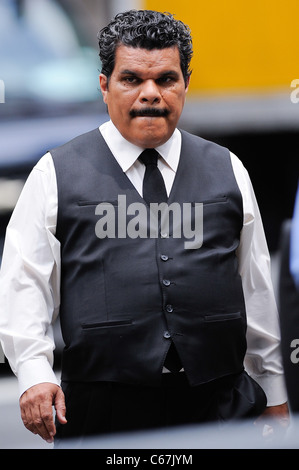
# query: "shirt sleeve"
30, 278
263, 360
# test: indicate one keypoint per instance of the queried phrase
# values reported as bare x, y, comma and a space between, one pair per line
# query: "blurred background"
243, 94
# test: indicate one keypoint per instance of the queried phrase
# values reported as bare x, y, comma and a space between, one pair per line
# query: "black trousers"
107, 407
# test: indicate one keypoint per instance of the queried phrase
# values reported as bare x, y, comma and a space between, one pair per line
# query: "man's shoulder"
201, 143
78, 141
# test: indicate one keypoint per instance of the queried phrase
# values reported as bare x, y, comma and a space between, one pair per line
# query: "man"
132, 294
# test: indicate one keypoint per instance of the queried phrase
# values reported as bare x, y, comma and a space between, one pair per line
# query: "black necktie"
154, 191
153, 184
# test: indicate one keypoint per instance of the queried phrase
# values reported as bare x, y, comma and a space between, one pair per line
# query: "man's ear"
104, 86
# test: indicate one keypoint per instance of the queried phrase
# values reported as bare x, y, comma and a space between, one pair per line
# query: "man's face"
146, 94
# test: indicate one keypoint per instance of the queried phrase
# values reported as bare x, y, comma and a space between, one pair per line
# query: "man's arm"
263, 359
29, 282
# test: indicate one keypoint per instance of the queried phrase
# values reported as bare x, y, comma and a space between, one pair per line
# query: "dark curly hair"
146, 29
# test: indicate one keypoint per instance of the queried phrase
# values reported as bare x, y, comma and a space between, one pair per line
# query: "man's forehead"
123, 51
129, 58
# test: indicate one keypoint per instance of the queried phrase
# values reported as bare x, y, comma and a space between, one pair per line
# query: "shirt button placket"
166, 282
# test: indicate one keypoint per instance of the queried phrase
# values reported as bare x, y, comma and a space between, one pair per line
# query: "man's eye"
166, 80
130, 80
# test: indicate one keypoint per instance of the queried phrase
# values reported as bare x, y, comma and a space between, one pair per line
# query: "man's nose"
150, 92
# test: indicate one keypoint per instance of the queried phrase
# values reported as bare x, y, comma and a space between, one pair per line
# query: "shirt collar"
127, 153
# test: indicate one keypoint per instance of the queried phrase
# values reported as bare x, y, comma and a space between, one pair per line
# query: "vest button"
164, 257
166, 282
164, 235
166, 335
169, 308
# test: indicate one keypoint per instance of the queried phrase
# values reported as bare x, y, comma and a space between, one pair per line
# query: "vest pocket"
216, 200
83, 203
218, 317
106, 324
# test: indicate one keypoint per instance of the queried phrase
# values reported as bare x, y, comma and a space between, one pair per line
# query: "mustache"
152, 112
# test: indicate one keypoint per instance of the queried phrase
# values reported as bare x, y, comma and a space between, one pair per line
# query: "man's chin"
150, 136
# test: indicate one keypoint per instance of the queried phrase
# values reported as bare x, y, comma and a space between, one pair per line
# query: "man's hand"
275, 419
36, 409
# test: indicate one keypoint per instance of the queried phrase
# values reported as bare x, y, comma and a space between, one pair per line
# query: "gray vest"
125, 297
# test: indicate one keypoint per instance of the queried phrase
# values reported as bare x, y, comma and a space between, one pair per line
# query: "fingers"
37, 412
60, 406
39, 422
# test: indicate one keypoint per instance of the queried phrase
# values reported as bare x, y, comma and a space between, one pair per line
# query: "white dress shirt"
30, 272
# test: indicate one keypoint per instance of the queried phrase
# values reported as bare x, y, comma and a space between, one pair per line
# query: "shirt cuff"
34, 372
274, 388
